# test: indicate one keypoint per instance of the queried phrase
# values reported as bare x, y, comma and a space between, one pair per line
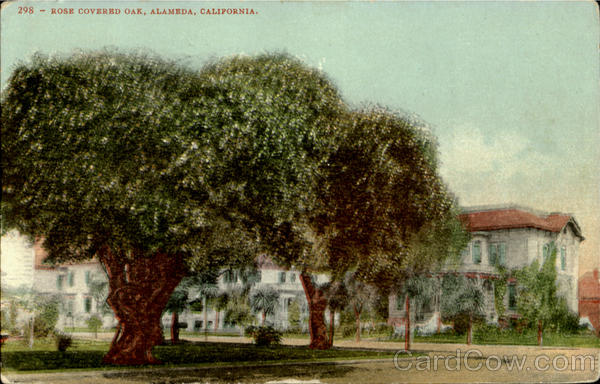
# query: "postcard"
300, 191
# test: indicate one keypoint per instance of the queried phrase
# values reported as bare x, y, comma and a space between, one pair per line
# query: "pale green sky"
511, 89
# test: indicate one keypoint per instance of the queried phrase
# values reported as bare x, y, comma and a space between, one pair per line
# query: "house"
589, 298
73, 284
512, 237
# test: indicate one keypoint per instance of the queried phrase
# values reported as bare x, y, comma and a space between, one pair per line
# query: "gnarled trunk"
317, 303
139, 289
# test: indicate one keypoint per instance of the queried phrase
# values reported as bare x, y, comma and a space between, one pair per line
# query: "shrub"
264, 336
93, 323
63, 341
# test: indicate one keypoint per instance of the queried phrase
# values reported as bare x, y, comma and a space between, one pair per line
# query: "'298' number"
25, 11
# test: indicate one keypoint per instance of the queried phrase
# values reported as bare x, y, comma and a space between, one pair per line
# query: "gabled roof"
491, 219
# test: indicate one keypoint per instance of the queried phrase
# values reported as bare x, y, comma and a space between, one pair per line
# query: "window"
563, 259
545, 252
282, 277
70, 307
512, 297
497, 253
258, 276
71, 278
59, 282
292, 277
87, 277
477, 252
502, 254
87, 304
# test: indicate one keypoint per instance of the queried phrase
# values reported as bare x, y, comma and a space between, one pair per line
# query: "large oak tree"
376, 195
158, 170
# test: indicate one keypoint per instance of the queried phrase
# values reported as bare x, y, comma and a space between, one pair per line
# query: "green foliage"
264, 300
461, 300
238, 310
500, 286
178, 300
264, 336
136, 153
63, 342
381, 198
294, 316
94, 323
537, 298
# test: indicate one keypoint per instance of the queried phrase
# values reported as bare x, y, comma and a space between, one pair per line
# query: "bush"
93, 323
264, 336
63, 342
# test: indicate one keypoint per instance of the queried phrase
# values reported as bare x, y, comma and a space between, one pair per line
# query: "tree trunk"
331, 326
357, 311
407, 325
216, 319
175, 327
317, 303
264, 318
139, 289
539, 333
470, 331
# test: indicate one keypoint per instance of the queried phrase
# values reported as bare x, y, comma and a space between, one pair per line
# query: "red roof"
511, 218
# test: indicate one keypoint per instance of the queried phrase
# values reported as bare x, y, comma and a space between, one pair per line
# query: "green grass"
511, 337
83, 355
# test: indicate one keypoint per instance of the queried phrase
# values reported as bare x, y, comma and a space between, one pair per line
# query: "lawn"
511, 337
84, 354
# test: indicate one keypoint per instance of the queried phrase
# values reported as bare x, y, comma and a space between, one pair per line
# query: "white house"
512, 237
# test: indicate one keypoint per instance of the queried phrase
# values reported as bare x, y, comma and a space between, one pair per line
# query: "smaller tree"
264, 300
337, 299
537, 299
419, 289
176, 304
238, 310
462, 300
361, 297
294, 315
93, 323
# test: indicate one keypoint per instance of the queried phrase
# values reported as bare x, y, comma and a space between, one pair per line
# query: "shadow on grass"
184, 354
238, 374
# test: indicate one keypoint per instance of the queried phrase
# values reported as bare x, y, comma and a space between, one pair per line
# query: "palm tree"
264, 300
177, 303
462, 298
337, 299
420, 289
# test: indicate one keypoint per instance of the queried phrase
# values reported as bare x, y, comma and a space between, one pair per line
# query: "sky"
510, 89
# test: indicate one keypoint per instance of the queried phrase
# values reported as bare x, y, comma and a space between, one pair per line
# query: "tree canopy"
138, 153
